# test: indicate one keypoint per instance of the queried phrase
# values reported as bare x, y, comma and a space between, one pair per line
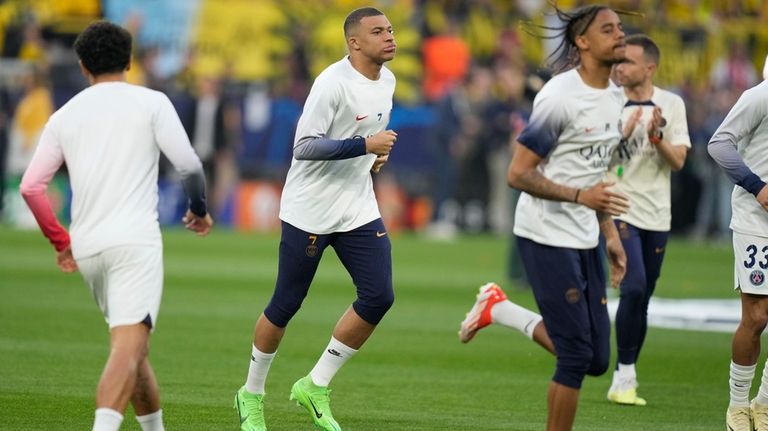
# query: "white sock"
514, 316
740, 382
257, 371
334, 356
107, 420
627, 371
152, 421
762, 394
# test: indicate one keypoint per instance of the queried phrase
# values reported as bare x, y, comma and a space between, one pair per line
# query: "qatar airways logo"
597, 155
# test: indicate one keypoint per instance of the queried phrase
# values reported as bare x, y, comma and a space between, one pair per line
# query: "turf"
413, 374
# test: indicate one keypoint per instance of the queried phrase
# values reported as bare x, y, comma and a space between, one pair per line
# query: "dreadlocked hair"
574, 24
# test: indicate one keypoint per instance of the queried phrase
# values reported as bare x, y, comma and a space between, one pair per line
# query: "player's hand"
618, 260
762, 197
599, 198
656, 123
380, 161
381, 143
199, 225
66, 261
632, 122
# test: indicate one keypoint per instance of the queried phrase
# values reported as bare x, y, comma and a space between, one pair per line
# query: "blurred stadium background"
238, 72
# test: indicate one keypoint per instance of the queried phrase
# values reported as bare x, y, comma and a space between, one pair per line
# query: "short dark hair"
356, 15
104, 47
650, 49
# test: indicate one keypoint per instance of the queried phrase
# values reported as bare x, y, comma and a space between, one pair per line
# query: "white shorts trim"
126, 282
750, 266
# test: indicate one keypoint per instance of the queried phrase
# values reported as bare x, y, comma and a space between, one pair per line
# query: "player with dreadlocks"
559, 162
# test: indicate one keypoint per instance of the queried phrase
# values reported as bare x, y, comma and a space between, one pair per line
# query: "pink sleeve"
46, 161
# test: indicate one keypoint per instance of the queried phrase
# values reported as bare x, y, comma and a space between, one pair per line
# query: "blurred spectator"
734, 70
713, 214
446, 61
31, 114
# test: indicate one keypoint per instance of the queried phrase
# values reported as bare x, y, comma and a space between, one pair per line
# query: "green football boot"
316, 399
250, 410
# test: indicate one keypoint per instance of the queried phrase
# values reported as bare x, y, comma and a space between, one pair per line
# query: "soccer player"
559, 163
110, 136
328, 199
740, 147
655, 142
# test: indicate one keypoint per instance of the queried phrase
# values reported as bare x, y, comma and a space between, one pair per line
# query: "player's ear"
581, 42
352, 43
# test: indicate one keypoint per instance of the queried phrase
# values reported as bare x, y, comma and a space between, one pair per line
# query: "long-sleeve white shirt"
110, 136
324, 196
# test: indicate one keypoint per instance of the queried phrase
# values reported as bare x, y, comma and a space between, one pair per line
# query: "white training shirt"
745, 130
324, 196
640, 171
110, 136
575, 129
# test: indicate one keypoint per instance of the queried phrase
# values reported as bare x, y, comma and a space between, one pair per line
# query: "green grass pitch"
413, 374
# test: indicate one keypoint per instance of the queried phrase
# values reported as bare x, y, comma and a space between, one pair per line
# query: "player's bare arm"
381, 143
615, 251
524, 176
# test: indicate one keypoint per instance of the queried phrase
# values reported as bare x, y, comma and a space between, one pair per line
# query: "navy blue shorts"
365, 252
569, 287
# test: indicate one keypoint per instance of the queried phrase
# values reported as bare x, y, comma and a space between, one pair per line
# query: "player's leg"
629, 317
128, 348
366, 253
299, 256
654, 248
492, 306
750, 280
146, 398
558, 281
127, 285
562, 402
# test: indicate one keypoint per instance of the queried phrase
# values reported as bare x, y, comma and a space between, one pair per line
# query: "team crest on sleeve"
757, 278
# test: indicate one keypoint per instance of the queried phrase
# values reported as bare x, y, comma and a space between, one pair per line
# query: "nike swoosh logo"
361, 117
589, 129
317, 413
603, 301
242, 419
380, 234
659, 250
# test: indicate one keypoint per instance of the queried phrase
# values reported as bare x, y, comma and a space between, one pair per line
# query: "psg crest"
757, 277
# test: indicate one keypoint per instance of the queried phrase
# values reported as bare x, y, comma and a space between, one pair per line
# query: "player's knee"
280, 311
599, 365
572, 365
633, 288
372, 309
755, 319
571, 372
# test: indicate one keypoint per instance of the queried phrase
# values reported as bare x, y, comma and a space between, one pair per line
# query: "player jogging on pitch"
110, 136
328, 199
